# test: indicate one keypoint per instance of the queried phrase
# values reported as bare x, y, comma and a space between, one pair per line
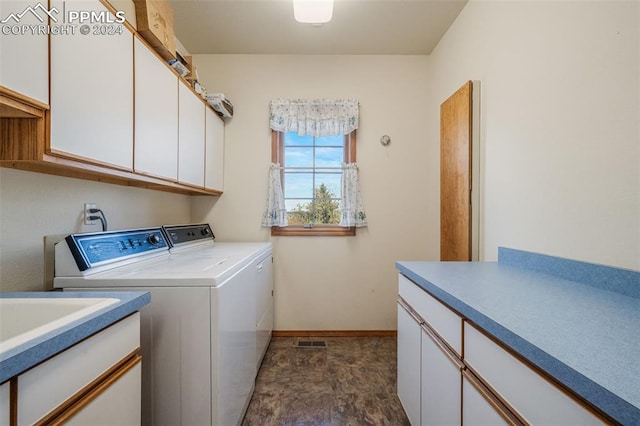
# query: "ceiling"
358, 27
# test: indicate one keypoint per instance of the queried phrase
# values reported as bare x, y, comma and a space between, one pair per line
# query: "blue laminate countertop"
31, 353
578, 322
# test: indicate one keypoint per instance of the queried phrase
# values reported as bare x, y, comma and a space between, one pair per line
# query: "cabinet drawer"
45, 387
539, 401
444, 321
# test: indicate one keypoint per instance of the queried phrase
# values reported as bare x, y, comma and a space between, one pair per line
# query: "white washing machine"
209, 321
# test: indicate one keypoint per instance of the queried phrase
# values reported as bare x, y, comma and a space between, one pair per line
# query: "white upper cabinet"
191, 142
156, 117
24, 58
214, 152
92, 91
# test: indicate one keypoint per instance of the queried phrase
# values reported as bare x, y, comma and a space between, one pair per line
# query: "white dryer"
202, 336
198, 241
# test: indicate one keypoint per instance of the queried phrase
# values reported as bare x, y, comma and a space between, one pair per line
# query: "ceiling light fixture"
313, 11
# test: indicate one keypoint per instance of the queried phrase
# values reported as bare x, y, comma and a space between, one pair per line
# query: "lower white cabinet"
429, 377
119, 403
486, 386
525, 390
4, 404
440, 382
409, 350
476, 409
97, 381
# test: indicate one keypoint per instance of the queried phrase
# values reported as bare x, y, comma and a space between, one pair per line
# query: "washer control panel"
91, 250
179, 234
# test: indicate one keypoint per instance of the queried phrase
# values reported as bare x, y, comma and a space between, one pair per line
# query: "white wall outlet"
88, 221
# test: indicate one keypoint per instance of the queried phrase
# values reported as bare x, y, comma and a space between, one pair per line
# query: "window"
311, 173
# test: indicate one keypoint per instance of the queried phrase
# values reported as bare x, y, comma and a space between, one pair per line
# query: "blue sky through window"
309, 162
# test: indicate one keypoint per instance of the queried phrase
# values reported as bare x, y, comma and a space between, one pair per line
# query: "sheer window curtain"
317, 117
275, 213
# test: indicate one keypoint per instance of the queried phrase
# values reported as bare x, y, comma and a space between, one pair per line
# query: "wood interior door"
456, 175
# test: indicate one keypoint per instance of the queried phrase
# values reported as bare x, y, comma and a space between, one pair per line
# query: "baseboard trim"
335, 333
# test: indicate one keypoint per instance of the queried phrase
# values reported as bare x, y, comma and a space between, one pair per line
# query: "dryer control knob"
153, 239
205, 231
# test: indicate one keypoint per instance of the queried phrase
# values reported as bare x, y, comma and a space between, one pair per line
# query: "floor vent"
312, 344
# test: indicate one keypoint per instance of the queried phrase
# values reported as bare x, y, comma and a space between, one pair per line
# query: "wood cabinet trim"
334, 333
84, 161
13, 401
17, 105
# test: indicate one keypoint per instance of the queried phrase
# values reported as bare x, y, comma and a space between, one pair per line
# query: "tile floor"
350, 382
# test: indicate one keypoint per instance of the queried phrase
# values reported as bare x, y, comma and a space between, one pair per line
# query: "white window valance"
315, 117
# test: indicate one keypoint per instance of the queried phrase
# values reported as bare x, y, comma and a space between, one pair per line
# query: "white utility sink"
24, 319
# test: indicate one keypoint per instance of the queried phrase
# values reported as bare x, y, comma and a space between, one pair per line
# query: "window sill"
327, 231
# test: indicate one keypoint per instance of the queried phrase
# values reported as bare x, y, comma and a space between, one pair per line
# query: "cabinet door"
119, 404
214, 152
24, 58
441, 384
4, 404
92, 92
51, 383
156, 134
191, 137
476, 410
409, 353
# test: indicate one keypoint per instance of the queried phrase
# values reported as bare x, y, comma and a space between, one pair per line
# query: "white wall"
560, 148
560, 131
560, 123
330, 283
33, 205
